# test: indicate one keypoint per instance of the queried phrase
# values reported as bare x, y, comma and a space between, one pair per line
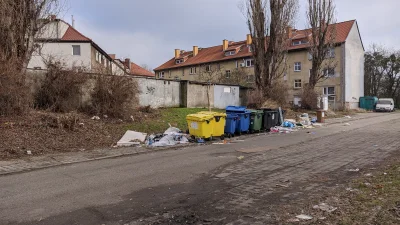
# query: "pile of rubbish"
172, 136
303, 122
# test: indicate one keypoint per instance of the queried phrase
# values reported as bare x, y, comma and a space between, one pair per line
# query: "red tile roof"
215, 54
73, 35
139, 71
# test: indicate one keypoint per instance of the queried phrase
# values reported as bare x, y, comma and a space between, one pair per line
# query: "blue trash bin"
243, 124
230, 124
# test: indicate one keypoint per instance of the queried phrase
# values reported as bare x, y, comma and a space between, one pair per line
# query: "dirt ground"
44, 132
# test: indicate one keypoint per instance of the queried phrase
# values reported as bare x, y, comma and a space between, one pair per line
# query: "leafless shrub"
114, 96
63, 121
309, 98
61, 90
255, 99
278, 93
14, 95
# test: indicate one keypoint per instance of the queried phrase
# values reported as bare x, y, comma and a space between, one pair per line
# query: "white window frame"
327, 74
310, 57
75, 46
161, 74
193, 70
249, 62
229, 53
228, 74
297, 67
326, 91
297, 84
208, 68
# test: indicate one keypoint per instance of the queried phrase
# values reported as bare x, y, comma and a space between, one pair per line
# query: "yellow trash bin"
218, 123
200, 125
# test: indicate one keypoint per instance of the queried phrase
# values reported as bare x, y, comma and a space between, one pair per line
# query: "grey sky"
148, 31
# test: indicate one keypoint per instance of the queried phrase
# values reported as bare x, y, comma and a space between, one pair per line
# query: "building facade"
343, 85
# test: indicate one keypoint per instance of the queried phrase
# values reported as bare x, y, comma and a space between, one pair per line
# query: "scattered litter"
282, 185
346, 124
105, 116
375, 145
353, 170
325, 207
367, 184
131, 138
304, 119
368, 175
235, 141
81, 124
132, 118
200, 140
317, 125
322, 218
384, 173
29, 152
304, 217
240, 157
291, 120
222, 175
348, 117
351, 189
289, 124
314, 120
293, 220
95, 118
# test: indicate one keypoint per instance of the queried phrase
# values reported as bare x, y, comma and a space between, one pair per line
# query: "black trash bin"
270, 119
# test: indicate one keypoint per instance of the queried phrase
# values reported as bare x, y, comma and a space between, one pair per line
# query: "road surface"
247, 182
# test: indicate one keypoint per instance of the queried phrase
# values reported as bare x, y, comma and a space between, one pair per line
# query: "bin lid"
254, 111
213, 113
238, 109
232, 116
199, 117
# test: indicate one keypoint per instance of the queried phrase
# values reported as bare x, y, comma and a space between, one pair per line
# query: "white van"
385, 105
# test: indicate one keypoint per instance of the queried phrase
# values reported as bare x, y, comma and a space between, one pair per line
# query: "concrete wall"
158, 93
354, 71
197, 95
225, 96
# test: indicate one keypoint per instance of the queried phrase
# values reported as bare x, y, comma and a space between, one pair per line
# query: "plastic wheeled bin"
270, 119
218, 123
200, 125
243, 124
230, 124
256, 118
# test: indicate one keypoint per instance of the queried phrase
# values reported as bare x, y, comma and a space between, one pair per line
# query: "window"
285, 76
330, 53
249, 62
228, 74
208, 68
329, 72
161, 74
179, 61
297, 83
183, 72
97, 56
299, 42
193, 70
228, 53
76, 50
329, 90
297, 66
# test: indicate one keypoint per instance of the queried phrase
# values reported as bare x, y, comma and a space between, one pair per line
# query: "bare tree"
238, 76
267, 21
322, 32
210, 74
146, 67
20, 22
376, 61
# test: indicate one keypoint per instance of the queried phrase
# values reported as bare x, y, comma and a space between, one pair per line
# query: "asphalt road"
144, 188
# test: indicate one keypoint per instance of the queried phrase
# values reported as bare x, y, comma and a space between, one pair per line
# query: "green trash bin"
256, 117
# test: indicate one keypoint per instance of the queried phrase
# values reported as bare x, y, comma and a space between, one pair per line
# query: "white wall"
53, 30
354, 71
62, 52
158, 93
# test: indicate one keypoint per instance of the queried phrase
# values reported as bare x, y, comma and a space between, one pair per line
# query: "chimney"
73, 21
112, 56
225, 44
249, 40
195, 50
53, 17
289, 32
128, 63
177, 53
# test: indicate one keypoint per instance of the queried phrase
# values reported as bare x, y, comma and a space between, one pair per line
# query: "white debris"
348, 117
346, 124
131, 138
325, 207
29, 152
95, 118
353, 170
304, 217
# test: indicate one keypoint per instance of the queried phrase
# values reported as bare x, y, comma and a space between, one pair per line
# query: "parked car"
385, 105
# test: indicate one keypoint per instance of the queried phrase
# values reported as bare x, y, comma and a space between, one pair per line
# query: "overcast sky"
148, 31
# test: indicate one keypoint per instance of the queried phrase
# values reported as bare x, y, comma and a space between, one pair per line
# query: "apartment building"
343, 85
